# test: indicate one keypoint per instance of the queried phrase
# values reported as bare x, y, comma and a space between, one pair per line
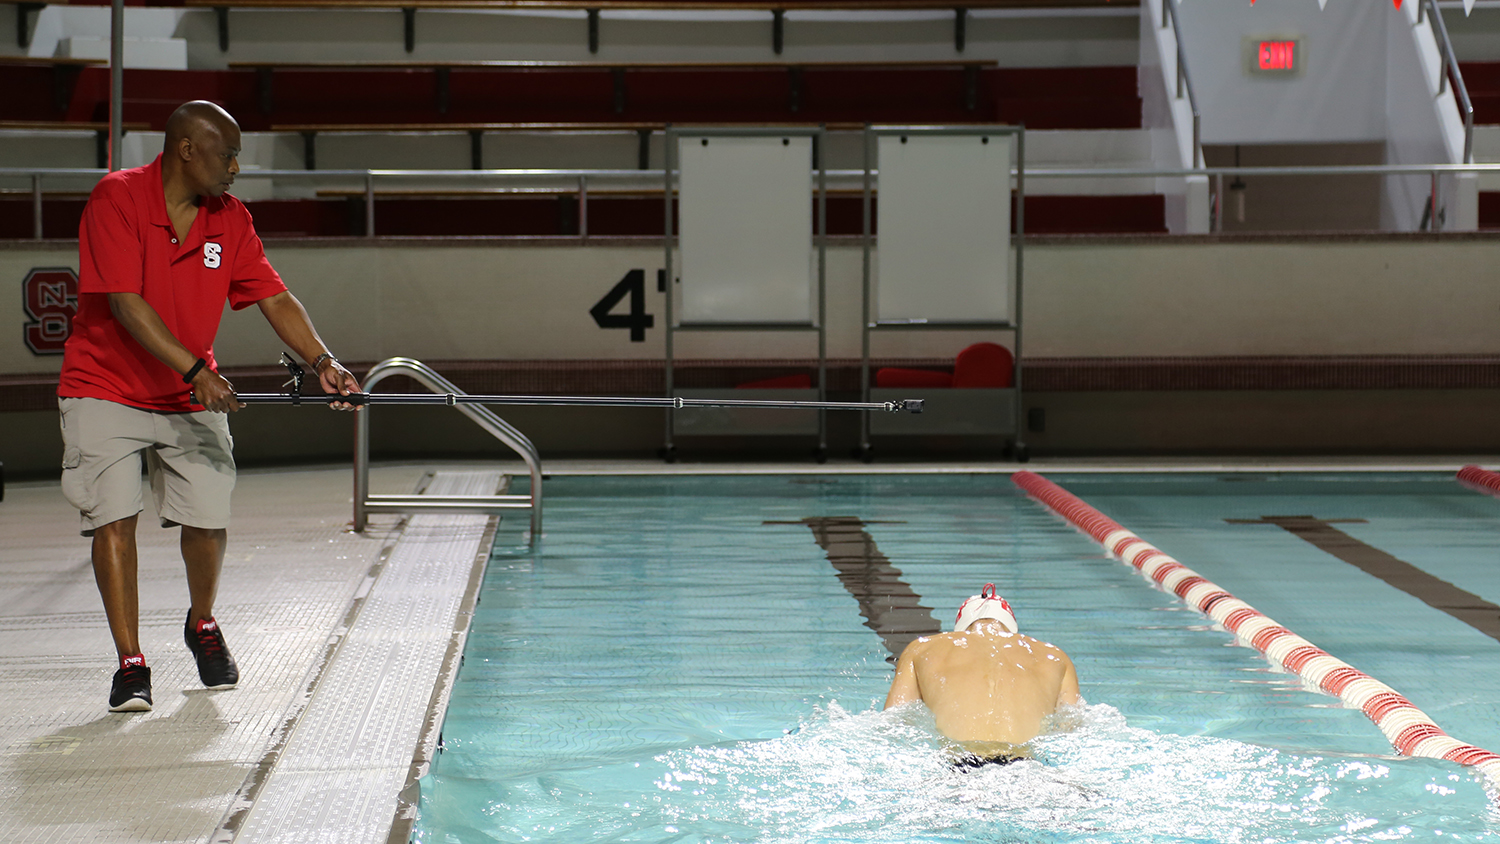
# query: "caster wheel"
1023, 454
820, 454
866, 454
668, 454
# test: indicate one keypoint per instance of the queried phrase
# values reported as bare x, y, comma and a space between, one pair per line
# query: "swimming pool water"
677, 661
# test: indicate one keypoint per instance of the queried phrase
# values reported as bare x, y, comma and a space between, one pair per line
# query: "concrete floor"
300, 602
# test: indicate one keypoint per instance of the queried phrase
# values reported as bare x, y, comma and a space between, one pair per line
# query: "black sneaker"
131, 690
216, 667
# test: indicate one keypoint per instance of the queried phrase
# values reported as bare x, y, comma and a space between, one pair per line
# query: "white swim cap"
985, 605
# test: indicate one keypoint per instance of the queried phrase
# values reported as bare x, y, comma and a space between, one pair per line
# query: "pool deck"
346, 644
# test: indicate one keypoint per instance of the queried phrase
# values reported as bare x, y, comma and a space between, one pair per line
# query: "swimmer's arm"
904, 688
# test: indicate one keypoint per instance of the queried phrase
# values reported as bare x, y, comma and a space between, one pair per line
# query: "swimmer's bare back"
988, 689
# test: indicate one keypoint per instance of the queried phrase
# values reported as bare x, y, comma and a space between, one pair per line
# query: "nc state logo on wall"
49, 296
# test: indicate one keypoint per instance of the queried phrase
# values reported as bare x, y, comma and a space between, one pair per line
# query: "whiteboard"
746, 230
943, 245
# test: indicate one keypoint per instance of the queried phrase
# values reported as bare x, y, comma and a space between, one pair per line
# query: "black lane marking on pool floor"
890, 607
1434, 591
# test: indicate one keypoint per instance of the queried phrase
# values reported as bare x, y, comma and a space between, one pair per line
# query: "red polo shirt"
126, 244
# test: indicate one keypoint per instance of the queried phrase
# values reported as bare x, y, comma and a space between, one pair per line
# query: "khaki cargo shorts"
189, 457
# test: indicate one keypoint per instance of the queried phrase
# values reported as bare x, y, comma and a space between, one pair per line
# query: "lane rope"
1480, 477
1408, 728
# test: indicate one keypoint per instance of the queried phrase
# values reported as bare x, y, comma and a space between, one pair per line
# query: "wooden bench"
50, 61
505, 65
488, 193
617, 70
777, 9
67, 126
100, 130
64, 72
619, 74
556, 94
476, 131
636, 5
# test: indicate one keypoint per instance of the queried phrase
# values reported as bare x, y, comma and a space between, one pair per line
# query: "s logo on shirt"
211, 255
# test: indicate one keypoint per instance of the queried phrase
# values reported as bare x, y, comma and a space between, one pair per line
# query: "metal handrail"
582, 177
1450, 62
365, 503
1299, 170
1184, 79
854, 175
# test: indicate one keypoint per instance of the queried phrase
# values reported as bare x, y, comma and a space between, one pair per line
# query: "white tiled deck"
341, 639
306, 606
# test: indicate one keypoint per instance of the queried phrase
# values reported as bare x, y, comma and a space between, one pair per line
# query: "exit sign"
1274, 56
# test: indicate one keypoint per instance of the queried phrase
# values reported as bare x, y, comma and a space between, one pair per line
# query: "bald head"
191, 120
201, 151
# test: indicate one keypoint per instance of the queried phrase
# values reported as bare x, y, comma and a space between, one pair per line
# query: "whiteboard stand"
751, 256
944, 263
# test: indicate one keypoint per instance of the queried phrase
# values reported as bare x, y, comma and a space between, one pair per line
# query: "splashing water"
882, 778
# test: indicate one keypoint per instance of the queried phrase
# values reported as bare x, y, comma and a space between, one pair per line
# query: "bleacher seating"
40, 89
265, 96
317, 99
556, 215
60, 216
630, 214
1483, 81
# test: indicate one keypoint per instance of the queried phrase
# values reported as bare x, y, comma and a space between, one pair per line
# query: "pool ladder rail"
365, 503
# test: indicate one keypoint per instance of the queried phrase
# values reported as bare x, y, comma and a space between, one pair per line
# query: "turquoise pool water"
678, 662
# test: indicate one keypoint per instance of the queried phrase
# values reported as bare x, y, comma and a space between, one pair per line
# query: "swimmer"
989, 687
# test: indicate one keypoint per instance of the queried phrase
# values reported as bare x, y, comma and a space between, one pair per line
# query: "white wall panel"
944, 228
745, 229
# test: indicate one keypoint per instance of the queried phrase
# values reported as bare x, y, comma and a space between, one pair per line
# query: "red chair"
984, 365
980, 365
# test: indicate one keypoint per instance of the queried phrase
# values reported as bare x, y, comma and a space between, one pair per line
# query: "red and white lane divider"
1408, 728
1480, 477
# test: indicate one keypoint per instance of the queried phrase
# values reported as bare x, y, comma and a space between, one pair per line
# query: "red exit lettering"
1278, 55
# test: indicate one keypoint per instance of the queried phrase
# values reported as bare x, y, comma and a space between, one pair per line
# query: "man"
161, 248
989, 687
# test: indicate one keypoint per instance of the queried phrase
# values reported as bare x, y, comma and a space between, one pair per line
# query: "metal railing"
365, 503
1432, 171
579, 182
1184, 79
36, 174
1450, 62
576, 179
579, 179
